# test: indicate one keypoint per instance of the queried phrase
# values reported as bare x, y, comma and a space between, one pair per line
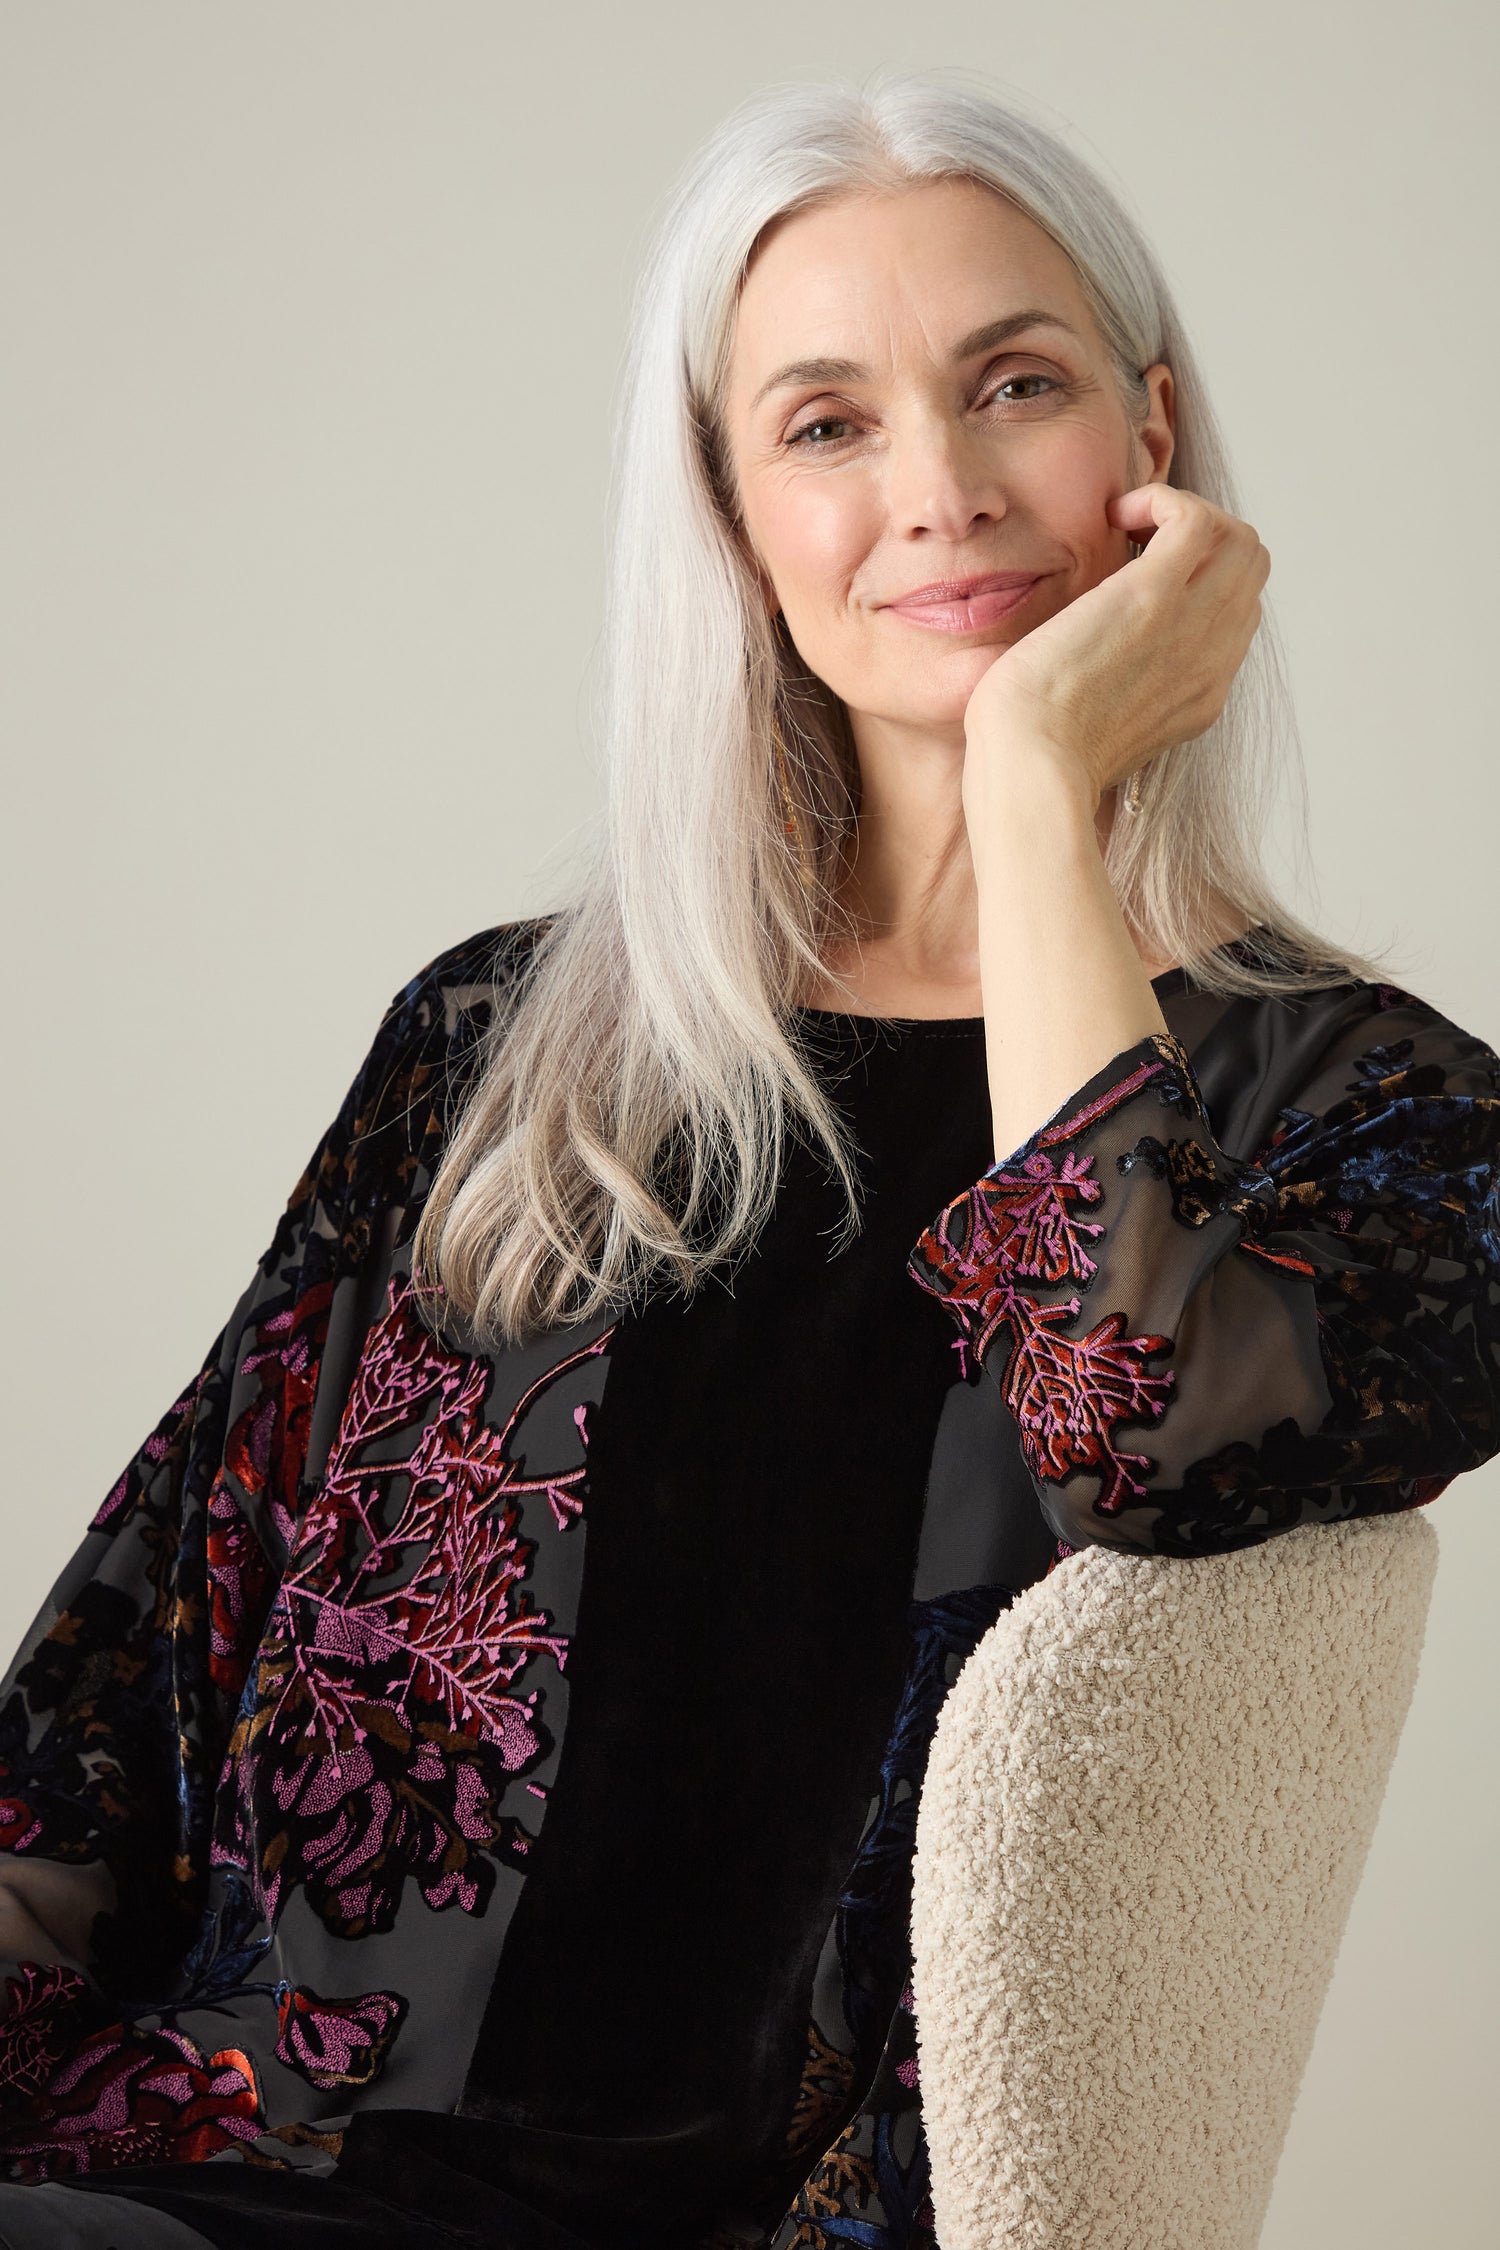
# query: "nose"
941, 483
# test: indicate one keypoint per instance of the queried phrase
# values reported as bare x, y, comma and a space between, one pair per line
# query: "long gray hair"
629, 1119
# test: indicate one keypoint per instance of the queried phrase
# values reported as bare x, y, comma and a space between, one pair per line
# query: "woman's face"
917, 396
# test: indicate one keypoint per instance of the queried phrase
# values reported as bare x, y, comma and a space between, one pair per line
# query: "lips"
964, 589
966, 605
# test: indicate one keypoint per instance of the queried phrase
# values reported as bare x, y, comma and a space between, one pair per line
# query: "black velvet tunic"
499, 1773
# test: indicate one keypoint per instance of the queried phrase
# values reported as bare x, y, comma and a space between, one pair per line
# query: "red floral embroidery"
18, 1824
1288, 1260
1025, 1223
267, 1447
128, 2097
240, 1583
1069, 1395
986, 1254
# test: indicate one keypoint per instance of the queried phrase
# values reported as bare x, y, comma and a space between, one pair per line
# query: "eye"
819, 422
1031, 377
839, 421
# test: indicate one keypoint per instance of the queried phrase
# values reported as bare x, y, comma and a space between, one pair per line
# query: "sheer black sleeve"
116, 1711
1200, 1349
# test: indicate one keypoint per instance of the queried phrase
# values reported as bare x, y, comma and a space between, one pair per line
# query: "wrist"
1028, 792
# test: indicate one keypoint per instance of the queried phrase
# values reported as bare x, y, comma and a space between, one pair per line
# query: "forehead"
865, 271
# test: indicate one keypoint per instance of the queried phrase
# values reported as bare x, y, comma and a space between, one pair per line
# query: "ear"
1157, 434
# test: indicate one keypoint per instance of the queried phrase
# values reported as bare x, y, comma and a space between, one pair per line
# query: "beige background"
312, 318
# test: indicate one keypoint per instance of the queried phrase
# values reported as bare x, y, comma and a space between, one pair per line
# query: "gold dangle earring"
792, 826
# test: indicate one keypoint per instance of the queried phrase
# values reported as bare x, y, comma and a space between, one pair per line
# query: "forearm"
1064, 987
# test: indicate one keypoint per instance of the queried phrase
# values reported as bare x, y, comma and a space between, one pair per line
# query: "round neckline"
1169, 981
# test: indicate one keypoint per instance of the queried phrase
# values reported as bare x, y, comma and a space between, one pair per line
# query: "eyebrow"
982, 339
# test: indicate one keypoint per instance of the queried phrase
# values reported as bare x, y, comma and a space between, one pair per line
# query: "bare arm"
1064, 987
1138, 664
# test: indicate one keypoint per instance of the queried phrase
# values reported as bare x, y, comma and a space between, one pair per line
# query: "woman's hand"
1134, 666
1140, 662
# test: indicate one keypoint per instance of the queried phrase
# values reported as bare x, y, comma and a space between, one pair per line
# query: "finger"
1150, 507
1178, 529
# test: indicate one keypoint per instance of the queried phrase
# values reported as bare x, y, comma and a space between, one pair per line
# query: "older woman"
463, 1789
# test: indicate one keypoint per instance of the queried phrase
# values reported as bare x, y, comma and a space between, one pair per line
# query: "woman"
463, 1789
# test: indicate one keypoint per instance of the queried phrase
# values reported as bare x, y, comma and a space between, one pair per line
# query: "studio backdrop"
313, 315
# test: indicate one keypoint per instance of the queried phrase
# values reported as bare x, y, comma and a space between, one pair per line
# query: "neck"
909, 890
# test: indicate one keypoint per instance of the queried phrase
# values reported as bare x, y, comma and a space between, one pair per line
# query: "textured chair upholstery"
1147, 1808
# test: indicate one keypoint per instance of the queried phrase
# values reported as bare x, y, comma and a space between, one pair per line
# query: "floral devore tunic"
494, 1776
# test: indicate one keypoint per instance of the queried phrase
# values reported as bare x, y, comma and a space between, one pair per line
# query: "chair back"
1147, 1807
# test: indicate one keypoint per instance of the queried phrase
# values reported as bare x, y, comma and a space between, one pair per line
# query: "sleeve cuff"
1027, 1212
1026, 1224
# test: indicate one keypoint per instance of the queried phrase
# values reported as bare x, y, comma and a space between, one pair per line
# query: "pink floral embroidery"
39, 2023
388, 1717
336, 2042
1023, 1225
172, 1434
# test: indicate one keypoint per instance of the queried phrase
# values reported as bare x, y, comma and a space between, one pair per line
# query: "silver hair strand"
629, 1121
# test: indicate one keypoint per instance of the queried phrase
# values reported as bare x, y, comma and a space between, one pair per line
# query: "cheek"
813, 536
1068, 485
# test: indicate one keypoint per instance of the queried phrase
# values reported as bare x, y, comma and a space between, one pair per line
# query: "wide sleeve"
116, 1712
1202, 1349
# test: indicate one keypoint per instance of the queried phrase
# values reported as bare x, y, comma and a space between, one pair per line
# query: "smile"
965, 605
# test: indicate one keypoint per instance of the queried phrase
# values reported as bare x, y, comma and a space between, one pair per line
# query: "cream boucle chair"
1146, 1812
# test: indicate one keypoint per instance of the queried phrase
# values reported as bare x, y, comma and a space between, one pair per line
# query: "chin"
937, 717
936, 700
